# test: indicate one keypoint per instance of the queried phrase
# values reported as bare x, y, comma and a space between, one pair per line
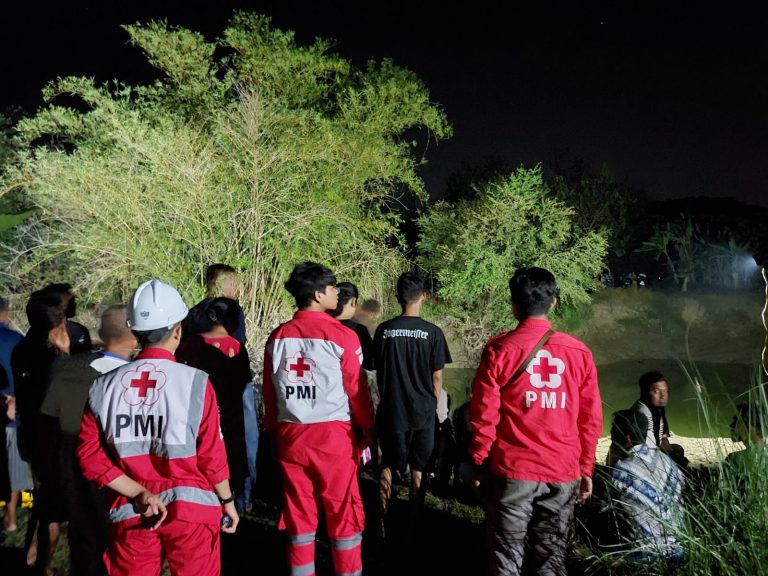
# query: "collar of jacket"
309, 314
533, 325
154, 353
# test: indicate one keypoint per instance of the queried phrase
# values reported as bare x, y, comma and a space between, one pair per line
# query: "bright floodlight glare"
748, 263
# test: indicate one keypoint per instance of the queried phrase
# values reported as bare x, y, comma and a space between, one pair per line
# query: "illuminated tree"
474, 246
251, 150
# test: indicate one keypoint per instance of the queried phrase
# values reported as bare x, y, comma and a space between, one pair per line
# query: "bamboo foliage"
239, 158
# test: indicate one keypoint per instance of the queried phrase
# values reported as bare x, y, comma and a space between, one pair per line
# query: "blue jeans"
250, 416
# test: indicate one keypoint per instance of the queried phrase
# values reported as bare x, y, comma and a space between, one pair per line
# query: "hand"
368, 438
230, 511
585, 490
59, 338
471, 474
10, 407
151, 508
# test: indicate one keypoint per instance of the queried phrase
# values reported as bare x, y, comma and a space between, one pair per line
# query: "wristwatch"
223, 501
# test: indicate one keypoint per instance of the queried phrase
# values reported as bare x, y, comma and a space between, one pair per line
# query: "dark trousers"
538, 514
88, 526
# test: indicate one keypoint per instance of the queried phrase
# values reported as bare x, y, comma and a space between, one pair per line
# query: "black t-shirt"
366, 342
407, 351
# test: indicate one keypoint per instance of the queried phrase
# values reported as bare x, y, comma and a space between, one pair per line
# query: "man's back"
536, 412
408, 351
156, 421
71, 379
544, 425
313, 373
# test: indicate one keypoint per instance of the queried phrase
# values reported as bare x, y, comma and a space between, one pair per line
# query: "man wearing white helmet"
150, 433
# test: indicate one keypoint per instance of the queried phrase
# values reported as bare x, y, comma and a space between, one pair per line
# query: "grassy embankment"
634, 331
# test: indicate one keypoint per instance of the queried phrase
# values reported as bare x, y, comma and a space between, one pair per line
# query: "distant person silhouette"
367, 313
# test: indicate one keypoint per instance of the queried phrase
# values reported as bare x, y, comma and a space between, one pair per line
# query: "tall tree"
251, 150
473, 246
600, 203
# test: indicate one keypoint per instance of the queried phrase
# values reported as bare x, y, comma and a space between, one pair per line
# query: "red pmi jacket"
545, 425
313, 374
155, 421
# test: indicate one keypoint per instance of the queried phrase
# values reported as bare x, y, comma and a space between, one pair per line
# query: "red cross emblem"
142, 386
300, 368
545, 370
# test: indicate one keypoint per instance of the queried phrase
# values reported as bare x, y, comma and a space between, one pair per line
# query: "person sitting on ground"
748, 426
646, 493
652, 404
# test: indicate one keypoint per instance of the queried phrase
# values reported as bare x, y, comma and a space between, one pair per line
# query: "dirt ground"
259, 548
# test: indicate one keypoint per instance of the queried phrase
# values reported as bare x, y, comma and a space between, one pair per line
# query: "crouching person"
316, 400
646, 493
150, 433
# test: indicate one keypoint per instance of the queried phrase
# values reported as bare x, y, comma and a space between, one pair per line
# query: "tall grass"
725, 505
726, 527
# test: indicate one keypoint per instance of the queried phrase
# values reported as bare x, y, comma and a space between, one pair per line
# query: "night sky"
670, 96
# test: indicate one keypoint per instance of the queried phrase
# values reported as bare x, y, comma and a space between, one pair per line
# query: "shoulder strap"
531, 356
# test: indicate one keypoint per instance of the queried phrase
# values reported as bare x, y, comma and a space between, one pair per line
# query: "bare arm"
224, 492
10, 407
437, 382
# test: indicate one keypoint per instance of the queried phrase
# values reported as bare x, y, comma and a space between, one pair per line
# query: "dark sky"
670, 96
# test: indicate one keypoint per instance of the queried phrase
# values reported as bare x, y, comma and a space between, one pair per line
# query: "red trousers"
191, 550
320, 467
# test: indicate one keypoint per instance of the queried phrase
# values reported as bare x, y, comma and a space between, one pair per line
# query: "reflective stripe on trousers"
301, 554
347, 555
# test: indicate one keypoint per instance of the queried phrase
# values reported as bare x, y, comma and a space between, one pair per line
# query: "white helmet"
155, 305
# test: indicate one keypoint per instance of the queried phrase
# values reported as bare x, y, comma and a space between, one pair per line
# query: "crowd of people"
146, 441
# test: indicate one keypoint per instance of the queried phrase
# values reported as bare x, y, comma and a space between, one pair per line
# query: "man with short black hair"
536, 416
150, 433
316, 400
410, 356
652, 405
